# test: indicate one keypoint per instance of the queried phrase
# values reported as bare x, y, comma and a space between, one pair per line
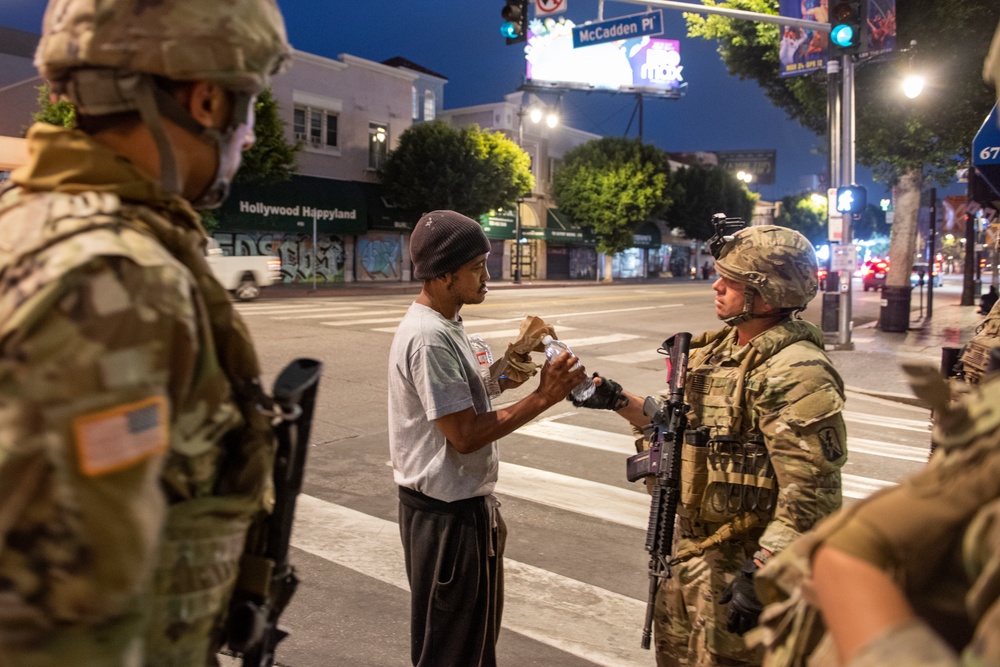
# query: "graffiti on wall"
379, 257
299, 263
582, 263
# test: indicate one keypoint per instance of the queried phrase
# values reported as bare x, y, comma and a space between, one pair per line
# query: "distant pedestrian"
443, 436
706, 271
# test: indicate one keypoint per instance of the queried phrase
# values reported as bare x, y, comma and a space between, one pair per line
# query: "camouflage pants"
689, 624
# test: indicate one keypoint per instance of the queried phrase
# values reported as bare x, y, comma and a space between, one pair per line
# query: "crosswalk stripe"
888, 422
554, 316
319, 313
581, 619
549, 429
373, 320
278, 310
858, 487
597, 340
581, 496
887, 450
634, 357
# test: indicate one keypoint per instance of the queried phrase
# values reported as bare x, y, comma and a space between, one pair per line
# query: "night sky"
462, 42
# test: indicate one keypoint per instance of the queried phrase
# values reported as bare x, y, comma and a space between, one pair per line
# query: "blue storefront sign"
986, 145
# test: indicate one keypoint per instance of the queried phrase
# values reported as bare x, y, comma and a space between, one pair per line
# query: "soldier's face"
729, 297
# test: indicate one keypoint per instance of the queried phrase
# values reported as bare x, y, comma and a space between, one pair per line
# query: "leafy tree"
904, 142
272, 158
52, 110
806, 215
469, 170
701, 193
609, 186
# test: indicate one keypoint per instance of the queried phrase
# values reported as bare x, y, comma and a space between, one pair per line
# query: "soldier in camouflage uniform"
132, 457
911, 575
762, 457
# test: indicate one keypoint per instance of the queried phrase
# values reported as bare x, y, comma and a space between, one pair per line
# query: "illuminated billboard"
645, 64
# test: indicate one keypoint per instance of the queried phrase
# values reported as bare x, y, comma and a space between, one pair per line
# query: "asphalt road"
575, 565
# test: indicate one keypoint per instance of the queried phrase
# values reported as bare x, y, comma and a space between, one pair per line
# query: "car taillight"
274, 266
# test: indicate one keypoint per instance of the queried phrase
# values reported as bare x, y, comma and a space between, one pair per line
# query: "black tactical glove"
607, 396
744, 607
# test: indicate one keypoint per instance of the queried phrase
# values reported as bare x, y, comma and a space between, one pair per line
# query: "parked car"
919, 269
873, 274
243, 275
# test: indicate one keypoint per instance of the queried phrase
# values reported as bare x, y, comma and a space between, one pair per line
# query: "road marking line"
597, 340
319, 313
888, 422
581, 496
374, 320
552, 316
549, 429
583, 620
857, 487
634, 357
887, 450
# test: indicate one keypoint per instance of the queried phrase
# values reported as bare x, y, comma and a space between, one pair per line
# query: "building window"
415, 102
378, 145
430, 109
315, 127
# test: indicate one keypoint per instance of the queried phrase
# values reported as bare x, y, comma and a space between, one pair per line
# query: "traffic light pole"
846, 178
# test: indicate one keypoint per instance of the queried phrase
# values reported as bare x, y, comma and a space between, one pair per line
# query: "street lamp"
536, 112
744, 176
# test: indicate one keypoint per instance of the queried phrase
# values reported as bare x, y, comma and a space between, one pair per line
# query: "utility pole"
931, 250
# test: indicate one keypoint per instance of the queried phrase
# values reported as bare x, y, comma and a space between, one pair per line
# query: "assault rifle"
267, 579
663, 461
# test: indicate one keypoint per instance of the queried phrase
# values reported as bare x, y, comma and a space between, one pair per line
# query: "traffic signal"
846, 23
515, 16
852, 199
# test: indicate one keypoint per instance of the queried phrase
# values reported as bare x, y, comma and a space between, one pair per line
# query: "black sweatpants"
454, 563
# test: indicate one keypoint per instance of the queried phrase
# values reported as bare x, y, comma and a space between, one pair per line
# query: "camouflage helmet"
238, 44
779, 263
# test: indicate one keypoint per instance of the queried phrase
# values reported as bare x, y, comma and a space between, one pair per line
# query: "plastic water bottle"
553, 348
485, 358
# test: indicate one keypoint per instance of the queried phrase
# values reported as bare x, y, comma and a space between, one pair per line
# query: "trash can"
895, 313
831, 311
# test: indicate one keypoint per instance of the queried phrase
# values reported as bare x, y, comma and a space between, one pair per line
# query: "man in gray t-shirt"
442, 441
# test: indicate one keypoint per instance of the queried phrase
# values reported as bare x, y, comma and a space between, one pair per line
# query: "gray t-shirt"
433, 373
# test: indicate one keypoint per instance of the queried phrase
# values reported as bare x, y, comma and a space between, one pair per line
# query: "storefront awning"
559, 228
647, 236
336, 207
984, 177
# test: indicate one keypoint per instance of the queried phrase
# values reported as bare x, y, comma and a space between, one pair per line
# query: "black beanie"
443, 241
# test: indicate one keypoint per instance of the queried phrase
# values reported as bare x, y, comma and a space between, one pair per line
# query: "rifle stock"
267, 580
663, 461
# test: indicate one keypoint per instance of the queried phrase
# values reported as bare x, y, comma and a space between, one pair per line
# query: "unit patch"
122, 436
830, 441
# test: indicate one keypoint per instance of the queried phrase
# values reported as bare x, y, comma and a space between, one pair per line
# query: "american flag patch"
122, 436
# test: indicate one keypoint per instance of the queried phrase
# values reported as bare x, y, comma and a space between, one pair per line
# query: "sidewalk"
872, 368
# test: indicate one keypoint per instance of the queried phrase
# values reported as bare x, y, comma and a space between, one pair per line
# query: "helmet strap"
747, 313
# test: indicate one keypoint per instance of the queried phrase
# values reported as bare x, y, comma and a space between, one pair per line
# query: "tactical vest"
726, 472
204, 535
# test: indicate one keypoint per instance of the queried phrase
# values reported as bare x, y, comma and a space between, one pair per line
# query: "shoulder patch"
115, 439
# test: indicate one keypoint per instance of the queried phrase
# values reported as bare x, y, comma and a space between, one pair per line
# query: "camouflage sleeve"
89, 380
910, 643
799, 415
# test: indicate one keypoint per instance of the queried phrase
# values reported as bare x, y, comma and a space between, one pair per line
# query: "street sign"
835, 228
550, 7
986, 144
623, 27
844, 258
